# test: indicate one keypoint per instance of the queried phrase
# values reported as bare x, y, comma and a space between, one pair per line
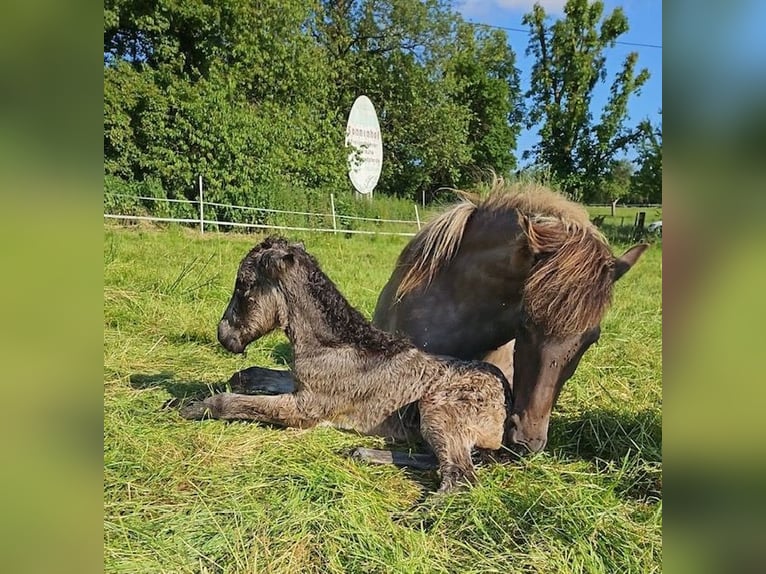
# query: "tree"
230, 90
447, 93
646, 182
570, 63
256, 95
617, 181
480, 66
392, 51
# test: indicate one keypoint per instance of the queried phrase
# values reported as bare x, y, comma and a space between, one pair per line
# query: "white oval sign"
363, 134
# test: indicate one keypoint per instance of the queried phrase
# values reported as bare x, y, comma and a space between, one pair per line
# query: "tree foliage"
255, 95
646, 182
570, 62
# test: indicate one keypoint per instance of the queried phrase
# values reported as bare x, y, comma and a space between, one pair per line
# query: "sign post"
365, 160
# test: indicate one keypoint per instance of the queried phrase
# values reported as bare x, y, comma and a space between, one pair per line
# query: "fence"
339, 222
336, 222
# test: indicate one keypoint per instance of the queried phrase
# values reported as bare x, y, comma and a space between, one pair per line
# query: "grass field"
184, 496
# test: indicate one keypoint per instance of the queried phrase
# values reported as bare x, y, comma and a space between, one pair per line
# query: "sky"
645, 27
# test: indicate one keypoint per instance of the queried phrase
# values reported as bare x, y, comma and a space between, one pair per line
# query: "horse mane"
346, 322
569, 286
434, 246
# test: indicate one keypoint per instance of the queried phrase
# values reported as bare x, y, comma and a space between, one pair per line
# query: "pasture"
184, 496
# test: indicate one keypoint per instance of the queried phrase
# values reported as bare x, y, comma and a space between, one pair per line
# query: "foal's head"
257, 305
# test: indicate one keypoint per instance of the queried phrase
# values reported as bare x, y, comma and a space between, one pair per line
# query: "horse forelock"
570, 287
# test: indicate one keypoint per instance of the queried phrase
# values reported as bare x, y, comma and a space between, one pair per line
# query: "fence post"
417, 216
201, 210
332, 206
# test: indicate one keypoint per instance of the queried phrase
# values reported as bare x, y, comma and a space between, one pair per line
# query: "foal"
350, 374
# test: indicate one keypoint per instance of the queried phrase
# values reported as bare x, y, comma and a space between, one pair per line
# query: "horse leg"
409, 459
441, 431
502, 358
282, 409
259, 381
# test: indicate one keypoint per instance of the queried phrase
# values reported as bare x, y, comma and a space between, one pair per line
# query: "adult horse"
521, 264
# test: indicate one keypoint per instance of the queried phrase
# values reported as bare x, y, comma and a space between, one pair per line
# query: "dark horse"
351, 374
523, 264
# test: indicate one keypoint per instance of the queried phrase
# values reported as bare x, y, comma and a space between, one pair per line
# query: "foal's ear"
623, 263
277, 262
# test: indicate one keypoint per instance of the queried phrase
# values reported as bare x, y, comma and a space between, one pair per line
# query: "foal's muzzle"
229, 338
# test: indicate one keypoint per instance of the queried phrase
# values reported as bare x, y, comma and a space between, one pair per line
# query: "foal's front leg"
259, 381
276, 409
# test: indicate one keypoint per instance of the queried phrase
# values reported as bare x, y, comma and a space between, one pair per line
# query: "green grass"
184, 496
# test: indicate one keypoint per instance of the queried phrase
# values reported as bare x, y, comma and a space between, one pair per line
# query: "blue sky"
644, 19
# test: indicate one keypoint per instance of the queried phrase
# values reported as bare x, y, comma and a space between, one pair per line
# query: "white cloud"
550, 6
486, 8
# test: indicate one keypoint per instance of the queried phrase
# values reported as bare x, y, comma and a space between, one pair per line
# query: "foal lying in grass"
350, 374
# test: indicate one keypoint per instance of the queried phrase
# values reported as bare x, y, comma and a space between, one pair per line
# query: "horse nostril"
531, 444
222, 331
536, 444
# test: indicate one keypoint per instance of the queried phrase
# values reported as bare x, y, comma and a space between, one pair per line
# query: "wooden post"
417, 216
201, 210
332, 206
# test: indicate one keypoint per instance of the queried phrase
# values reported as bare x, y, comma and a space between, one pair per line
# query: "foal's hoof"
455, 479
196, 410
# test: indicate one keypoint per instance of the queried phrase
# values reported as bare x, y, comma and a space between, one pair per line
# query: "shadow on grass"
177, 389
198, 337
282, 353
608, 435
251, 381
628, 444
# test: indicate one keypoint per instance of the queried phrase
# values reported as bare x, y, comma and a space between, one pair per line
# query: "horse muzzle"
229, 338
533, 439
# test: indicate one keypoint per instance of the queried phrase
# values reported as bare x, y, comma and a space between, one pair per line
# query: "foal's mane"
569, 286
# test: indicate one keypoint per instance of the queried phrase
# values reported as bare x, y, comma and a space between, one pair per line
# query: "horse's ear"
299, 245
623, 263
288, 258
277, 261
529, 233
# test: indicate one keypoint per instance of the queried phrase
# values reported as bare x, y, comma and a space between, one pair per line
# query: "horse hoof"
196, 410
454, 479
